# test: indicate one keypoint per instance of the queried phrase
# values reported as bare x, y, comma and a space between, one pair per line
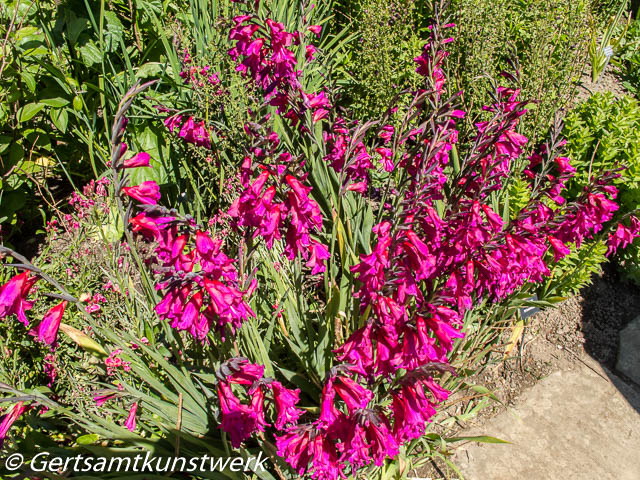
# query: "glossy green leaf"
27, 112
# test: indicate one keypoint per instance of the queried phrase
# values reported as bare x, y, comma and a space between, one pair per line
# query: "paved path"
573, 425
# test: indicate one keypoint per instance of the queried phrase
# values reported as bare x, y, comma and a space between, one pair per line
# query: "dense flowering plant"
372, 242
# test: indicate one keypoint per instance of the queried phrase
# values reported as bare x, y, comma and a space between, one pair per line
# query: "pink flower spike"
47, 331
130, 423
139, 160
147, 193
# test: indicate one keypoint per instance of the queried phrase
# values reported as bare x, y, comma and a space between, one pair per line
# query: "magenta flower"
13, 296
47, 331
238, 420
173, 122
139, 160
305, 444
353, 394
103, 397
317, 29
559, 249
286, 401
9, 418
310, 52
147, 193
622, 237
238, 370
412, 407
385, 154
357, 350
130, 423
369, 437
319, 253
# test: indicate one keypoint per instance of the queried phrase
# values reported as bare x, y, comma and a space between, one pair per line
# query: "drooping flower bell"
47, 330
130, 423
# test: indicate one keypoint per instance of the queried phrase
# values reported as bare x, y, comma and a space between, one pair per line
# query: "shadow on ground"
608, 306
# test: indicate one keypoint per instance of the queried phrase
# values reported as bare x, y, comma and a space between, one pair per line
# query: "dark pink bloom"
319, 253
286, 401
47, 331
139, 160
357, 350
173, 122
310, 52
103, 397
369, 437
622, 237
317, 29
147, 193
9, 418
242, 372
13, 296
559, 249
386, 154
308, 449
130, 423
240, 421
412, 407
353, 394
443, 331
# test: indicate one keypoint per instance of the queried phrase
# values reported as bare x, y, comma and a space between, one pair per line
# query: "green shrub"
628, 60
379, 62
548, 38
64, 68
602, 134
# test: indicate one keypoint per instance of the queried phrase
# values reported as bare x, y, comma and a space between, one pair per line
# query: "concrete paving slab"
629, 352
578, 425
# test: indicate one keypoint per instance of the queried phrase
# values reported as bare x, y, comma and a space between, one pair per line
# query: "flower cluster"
271, 63
198, 76
189, 129
624, 235
353, 161
200, 283
241, 420
427, 267
275, 204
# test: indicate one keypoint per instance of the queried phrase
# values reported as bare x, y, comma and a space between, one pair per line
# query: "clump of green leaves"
64, 68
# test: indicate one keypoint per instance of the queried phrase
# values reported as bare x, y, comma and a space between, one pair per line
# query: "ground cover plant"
304, 284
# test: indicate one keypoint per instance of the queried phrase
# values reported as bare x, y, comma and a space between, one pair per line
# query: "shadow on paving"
608, 306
